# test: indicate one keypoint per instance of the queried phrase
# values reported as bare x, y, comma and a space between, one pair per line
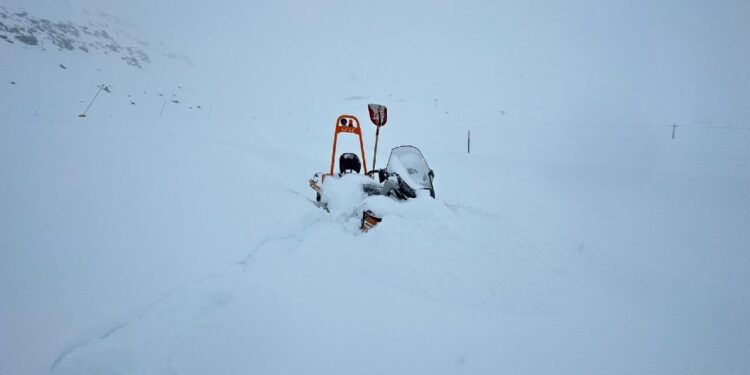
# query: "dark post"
92, 101
375, 153
468, 142
674, 126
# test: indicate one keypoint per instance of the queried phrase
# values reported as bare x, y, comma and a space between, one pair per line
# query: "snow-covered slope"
172, 229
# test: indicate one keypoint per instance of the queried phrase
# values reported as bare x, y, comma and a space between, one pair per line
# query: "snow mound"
303, 298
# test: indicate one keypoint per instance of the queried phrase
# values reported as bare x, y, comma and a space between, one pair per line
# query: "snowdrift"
172, 229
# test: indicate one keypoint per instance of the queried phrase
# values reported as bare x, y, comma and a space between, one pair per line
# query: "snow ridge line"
299, 236
242, 263
71, 349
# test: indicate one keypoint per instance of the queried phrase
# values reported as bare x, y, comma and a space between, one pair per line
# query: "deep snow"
148, 241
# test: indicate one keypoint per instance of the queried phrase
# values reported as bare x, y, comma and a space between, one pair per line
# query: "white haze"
577, 237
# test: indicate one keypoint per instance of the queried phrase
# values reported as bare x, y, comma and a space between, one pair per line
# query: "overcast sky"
606, 62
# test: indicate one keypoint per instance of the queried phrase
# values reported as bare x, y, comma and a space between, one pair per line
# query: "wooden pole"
674, 126
468, 142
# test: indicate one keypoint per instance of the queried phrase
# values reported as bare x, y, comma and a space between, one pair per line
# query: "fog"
597, 226
576, 62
